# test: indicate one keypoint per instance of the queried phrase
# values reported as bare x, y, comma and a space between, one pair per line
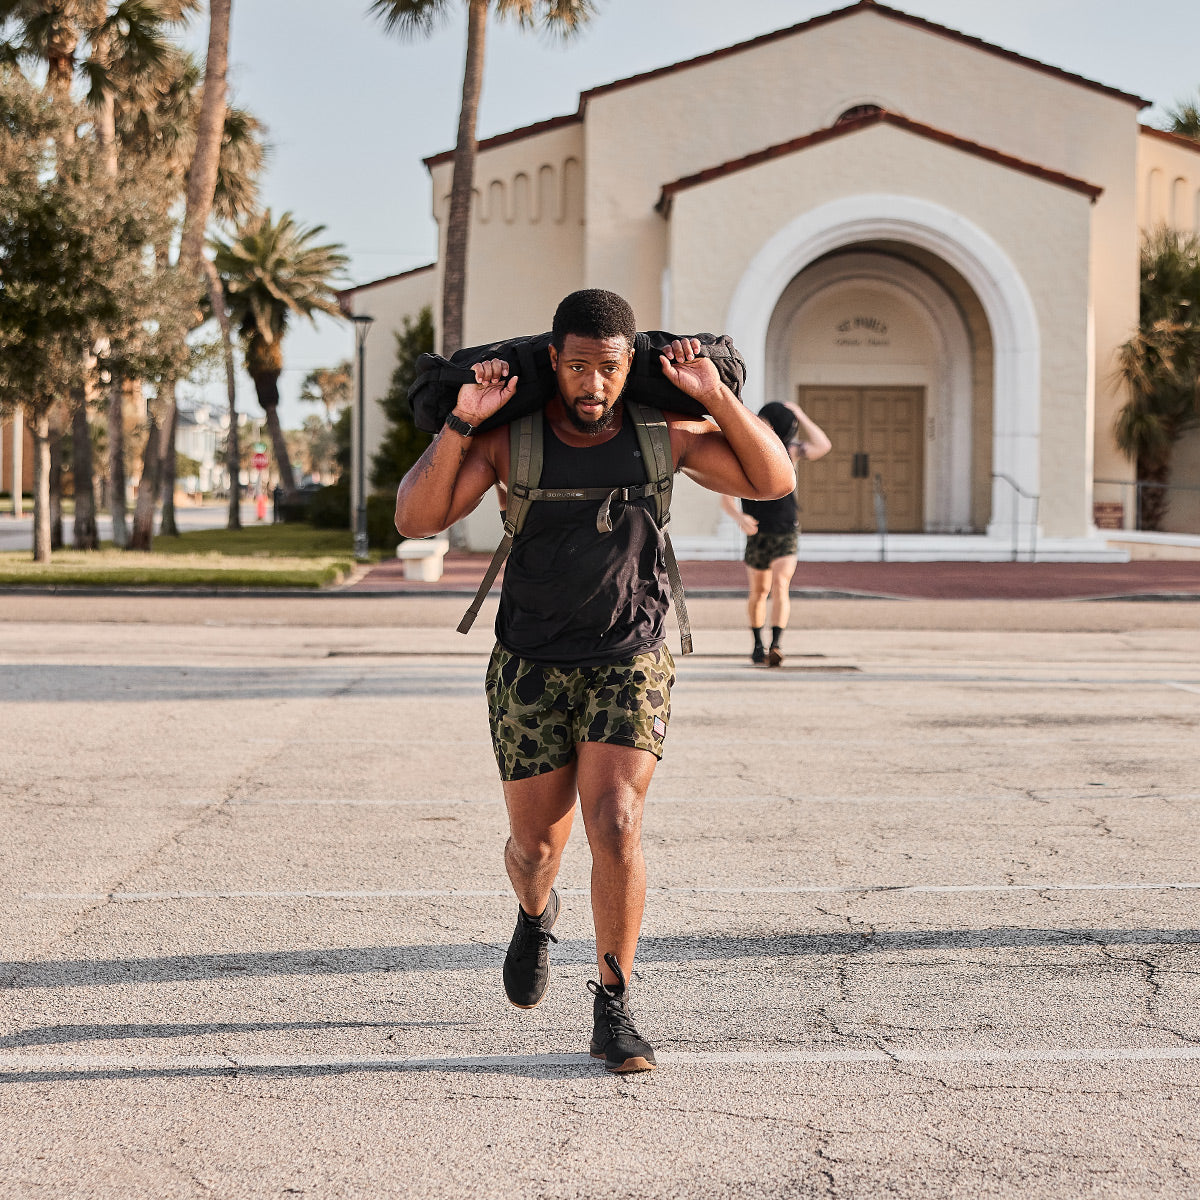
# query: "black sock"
757, 636
776, 636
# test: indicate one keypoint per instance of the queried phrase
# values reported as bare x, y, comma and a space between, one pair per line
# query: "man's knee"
531, 852
615, 827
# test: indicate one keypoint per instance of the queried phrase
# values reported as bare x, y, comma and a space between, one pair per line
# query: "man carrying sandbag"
579, 682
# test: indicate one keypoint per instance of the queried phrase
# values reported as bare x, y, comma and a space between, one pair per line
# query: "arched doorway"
937, 239
879, 352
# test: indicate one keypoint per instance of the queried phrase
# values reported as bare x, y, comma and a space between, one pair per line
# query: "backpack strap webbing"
524, 469
654, 440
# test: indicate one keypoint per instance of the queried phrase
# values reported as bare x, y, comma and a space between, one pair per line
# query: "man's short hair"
594, 313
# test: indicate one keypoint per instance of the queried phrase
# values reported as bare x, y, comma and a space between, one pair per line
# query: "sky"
351, 112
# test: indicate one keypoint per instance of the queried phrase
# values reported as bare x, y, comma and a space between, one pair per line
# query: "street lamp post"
362, 326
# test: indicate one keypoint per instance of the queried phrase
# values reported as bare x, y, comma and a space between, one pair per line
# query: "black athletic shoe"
758, 655
527, 963
614, 1038
774, 657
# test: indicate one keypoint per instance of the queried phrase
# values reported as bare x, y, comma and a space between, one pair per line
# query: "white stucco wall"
1042, 229
526, 242
389, 301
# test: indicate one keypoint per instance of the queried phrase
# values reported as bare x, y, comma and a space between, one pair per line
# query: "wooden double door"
875, 431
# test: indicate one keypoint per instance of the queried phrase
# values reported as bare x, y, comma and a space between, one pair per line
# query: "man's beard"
592, 428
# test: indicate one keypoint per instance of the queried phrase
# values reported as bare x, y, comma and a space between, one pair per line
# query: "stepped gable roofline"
1176, 139
848, 127
824, 19
344, 295
513, 135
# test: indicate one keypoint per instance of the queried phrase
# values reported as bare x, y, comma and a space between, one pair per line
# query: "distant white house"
928, 241
201, 435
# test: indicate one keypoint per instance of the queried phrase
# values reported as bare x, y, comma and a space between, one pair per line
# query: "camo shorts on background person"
539, 713
762, 549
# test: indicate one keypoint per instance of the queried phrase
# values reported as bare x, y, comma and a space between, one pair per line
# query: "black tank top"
573, 596
774, 516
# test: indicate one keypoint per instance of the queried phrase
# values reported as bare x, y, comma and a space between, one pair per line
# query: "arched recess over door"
945, 372
962, 245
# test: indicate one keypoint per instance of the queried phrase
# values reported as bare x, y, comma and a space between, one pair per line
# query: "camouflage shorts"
539, 713
762, 549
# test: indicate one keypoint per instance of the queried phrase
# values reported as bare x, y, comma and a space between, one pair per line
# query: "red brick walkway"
931, 581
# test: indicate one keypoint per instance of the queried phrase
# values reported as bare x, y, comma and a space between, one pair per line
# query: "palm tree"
272, 271
329, 386
1160, 364
201, 188
419, 18
158, 125
1185, 119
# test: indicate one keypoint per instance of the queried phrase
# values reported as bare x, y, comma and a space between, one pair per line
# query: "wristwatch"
455, 422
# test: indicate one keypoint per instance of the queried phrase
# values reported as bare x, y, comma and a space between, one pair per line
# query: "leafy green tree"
1160, 364
273, 270
77, 292
419, 18
92, 43
403, 443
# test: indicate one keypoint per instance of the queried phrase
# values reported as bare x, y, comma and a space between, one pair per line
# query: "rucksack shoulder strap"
524, 474
654, 441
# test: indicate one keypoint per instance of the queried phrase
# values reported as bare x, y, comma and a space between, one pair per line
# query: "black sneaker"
758, 655
614, 1038
527, 963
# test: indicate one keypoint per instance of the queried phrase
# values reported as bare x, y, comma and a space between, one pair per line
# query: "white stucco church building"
928, 241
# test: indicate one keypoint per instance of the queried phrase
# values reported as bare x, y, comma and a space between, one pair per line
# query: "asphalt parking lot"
922, 918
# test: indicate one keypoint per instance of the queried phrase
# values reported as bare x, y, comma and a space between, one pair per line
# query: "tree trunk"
210, 128
41, 487
233, 452
170, 463
462, 183
55, 476
142, 537
118, 490
267, 387
1153, 501
85, 535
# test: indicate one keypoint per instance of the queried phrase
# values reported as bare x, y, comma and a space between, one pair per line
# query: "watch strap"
455, 422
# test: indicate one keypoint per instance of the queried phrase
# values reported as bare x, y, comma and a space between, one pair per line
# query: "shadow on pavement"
469, 956
55, 683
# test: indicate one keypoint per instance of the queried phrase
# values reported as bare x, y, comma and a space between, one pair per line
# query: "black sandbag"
435, 390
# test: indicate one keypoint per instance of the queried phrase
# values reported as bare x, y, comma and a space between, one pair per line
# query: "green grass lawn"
270, 556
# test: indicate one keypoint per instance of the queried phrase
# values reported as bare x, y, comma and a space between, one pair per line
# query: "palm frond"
559, 20
410, 19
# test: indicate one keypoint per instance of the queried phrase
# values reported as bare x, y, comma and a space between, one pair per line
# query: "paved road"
16, 533
923, 919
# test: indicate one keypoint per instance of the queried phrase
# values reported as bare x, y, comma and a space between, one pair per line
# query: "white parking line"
489, 1062
1183, 687
732, 890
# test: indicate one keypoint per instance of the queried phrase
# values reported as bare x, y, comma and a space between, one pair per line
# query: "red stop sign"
260, 461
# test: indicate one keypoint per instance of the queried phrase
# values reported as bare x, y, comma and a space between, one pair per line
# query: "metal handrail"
880, 500
1018, 493
1138, 485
